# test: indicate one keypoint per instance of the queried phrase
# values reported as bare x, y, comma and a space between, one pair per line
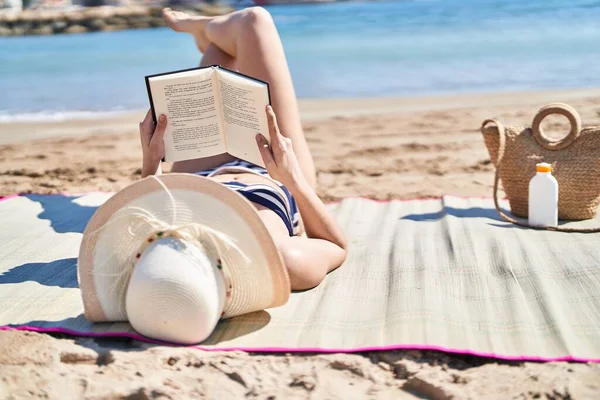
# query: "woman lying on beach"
308, 238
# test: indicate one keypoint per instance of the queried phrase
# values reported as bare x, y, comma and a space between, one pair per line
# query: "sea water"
401, 48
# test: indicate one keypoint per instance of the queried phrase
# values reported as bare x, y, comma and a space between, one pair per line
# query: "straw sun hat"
175, 253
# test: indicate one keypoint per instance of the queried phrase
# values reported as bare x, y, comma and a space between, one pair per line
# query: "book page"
243, 103
193, 122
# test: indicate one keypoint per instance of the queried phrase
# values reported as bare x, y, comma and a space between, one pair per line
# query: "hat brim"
108, 246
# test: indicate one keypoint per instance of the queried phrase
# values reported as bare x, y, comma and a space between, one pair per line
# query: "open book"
210, 111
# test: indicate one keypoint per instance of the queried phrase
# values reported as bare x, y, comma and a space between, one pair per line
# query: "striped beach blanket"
444, 274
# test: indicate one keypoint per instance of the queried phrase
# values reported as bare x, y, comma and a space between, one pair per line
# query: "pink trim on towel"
415, 199
10, 196
304, 349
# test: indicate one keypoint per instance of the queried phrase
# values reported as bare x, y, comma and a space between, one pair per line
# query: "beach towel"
443, 274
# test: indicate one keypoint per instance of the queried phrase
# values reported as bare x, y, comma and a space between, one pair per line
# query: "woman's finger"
147, 125
273, 127
265, 151
148, 118
159, 132
146, 128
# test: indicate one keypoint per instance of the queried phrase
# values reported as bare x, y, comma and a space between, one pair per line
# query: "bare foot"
194, 25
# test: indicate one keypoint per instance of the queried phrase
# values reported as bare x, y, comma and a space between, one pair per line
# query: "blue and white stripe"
234, 164
284, 206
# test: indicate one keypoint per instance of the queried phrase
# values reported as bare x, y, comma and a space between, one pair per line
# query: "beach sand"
393, 148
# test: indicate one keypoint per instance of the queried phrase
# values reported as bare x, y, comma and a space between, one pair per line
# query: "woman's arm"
153, 147
282, 165
318, 221
308, 260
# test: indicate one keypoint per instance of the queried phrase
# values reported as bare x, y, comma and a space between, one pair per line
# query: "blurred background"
52, 67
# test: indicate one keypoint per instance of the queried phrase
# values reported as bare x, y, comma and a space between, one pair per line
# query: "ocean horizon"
378, 49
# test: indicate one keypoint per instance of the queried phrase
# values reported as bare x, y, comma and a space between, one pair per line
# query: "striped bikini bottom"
267, 196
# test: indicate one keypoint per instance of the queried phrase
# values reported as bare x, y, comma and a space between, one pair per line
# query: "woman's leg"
250, 37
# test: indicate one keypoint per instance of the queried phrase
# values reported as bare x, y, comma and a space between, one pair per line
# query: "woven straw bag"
575, 160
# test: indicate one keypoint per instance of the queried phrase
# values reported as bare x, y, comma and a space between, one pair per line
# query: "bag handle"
501, 150
561, 109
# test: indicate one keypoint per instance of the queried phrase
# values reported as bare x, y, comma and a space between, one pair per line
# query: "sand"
393, 148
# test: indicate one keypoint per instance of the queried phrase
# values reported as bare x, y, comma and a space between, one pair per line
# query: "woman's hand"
279, 158
153, 146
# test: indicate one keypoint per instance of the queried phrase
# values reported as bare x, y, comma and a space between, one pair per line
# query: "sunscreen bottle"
543, 197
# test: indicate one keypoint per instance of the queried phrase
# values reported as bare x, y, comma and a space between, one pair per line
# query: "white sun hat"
172, 254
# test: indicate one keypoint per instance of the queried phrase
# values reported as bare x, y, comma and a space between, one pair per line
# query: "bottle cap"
543, 167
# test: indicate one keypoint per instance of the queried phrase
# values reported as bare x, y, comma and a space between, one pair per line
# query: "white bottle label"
543, 200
